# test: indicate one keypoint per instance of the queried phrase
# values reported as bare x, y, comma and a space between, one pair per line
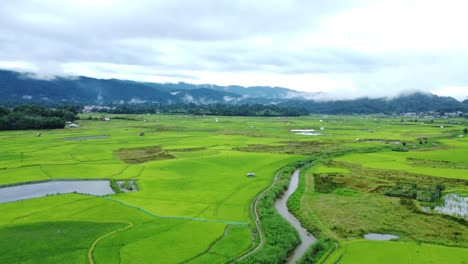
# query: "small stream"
307, 239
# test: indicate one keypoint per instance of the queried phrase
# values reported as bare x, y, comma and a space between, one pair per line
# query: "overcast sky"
347, 48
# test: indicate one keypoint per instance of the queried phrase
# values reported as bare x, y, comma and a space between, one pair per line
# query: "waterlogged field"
193, 202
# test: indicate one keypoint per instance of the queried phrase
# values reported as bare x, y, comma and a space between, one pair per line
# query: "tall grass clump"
318, 252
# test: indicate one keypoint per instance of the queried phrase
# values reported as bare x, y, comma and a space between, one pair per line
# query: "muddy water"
280, 205
35, 190
454, 204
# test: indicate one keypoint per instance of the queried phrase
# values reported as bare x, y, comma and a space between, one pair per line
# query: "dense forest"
210, 109
36, 117
416, 102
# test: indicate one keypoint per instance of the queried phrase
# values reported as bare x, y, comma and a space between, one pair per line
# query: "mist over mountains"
17, 88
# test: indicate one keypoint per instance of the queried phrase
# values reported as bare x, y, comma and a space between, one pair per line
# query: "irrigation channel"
307, 239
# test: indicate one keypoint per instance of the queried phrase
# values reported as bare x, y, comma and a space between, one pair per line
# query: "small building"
104, 118
251, 174
73, 125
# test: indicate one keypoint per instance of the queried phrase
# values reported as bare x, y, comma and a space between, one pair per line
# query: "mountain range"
17, 88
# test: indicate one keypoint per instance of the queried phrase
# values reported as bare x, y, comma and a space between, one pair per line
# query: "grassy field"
193, 202
350, 195
195, 196
51, 242
396, 252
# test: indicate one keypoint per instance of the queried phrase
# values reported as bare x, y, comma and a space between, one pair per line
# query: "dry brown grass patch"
143, 154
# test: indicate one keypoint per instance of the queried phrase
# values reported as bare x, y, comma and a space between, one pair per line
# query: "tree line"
209, 109
417, 102
36, 117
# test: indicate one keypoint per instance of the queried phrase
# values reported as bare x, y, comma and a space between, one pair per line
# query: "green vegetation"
280, 237
413, 191
203, 187
35, 117
382, 192
51, 242
143, 154
115, 187
127, 185
398, 252
220, 109
193, 202
318, 252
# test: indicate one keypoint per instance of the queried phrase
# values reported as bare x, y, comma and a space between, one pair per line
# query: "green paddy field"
193, 203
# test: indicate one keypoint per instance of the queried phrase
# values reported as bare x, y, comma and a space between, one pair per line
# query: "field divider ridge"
93, 246
178, 217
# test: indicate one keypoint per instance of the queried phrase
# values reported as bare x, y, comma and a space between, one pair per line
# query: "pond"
86, 137
41, 189
454, 204
376, 236
305, 132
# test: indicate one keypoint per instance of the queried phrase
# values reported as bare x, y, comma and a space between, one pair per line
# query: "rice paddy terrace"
182, 195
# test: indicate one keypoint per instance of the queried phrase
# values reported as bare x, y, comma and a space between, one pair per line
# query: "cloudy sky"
347, 48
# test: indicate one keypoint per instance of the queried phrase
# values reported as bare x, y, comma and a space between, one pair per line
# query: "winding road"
307, 239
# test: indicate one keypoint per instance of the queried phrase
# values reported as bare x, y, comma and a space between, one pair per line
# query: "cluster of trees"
417, 102
36, 117
210, 109
413, 191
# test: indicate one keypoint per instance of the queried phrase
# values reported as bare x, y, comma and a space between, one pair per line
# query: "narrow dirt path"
93, 246
226, 229
258, 223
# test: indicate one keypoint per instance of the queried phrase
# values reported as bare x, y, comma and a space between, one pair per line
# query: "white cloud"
346, 48
458, 92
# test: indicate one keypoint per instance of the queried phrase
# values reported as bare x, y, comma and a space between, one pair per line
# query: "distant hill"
17, 88
416, 102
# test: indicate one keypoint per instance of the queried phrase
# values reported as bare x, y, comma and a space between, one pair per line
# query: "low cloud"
344, 49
